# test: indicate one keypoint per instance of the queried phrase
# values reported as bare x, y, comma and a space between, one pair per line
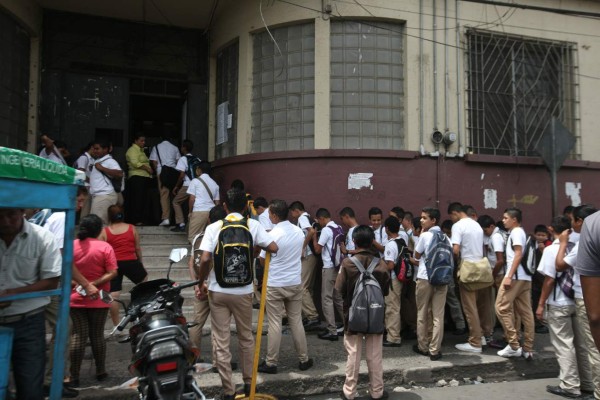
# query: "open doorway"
155, 117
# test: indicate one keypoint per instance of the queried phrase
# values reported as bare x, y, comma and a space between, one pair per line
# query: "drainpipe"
421, 94
459, 104
434, 58
446, 76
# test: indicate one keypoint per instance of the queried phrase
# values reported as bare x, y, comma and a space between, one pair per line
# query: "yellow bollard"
261, 316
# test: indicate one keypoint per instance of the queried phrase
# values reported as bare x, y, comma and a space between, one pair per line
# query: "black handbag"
168, 175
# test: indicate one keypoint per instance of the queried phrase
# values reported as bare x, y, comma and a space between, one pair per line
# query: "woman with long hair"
96, 261
125, 241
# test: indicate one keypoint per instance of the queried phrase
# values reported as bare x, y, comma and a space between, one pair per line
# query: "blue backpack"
193, 163
439, 260
336, 248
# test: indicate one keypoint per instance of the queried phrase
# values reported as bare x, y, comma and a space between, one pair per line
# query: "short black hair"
392, 224
279, 208
347, 211
90, 226
363, 236
514, 212
399, 211
237, 184
297, 205
568, 210
205, 167
105, 144
261, 202
217, 213
485, 221
236, 200
455, 206
416, 222
375, 211
447, 224
188, 144
433, 213
584, 211
323, 213
408, 214
560, 223
138, 135
540, 228
469, 210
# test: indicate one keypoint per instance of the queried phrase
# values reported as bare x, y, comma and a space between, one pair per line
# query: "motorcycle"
163, 356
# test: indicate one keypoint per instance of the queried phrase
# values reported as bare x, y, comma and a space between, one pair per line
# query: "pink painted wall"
319, 178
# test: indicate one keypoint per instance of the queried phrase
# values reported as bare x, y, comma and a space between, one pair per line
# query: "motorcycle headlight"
163, 350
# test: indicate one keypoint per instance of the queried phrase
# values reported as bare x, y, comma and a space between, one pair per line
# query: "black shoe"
384, 396
234, 365
417, 350
459, 332
267, 369
214, 370
247, 388
340, 330
391, 344
178, 228
435, 357
557, 390
542, 329
256, 306
328, 336
228, 397
73, 383
304, 365
311, 324
67, 392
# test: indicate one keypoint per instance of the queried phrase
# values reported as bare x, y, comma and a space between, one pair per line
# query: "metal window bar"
515, 86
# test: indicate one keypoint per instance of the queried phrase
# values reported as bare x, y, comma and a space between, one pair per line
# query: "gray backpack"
367, 309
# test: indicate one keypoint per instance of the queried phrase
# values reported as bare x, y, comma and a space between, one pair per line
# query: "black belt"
9, 319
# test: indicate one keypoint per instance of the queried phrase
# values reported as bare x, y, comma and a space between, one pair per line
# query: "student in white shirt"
376, 221
284, 288
348, 219
262, 209
309, 263
101, 189
53, 149
393, 299
181, 187
514, 295
204, 195
164, 153
566, 335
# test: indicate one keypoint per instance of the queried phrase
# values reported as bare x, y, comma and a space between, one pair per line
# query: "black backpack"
404, 270
193, 163
234, 254
367, 309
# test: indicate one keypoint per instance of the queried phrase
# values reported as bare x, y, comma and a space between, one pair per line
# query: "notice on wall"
490, 199
222, 122
361, 180
573, 191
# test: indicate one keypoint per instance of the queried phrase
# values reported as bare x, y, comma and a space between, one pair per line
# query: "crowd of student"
547, 298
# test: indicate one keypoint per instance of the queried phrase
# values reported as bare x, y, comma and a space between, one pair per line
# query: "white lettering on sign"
360, 180
573, 191
490, 198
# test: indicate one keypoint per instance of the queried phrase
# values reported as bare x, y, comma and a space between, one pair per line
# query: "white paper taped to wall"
573, 191
490, 198
360, 180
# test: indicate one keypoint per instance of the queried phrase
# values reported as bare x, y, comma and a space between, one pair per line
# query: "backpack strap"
361, 267
207, 189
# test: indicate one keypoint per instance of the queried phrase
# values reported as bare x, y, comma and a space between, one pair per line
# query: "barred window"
515, 86
367, 87
227, 91
283, 89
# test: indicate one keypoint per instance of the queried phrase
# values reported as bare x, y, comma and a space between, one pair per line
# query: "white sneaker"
508, 352
165, 222
468, 348
527, 355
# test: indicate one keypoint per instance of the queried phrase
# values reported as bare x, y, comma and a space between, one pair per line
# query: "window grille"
283, 89
367, 85
515, 86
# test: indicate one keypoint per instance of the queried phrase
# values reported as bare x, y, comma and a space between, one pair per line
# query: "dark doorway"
155, 117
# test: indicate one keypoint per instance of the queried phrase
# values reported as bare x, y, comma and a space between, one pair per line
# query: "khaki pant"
430, 315
516, 300
165, 206
331, 299
100, 204
85, 207
588, 341
201, 313
180, 197
567, 339
456, 311
222, 307
51, 316
282, 300
392, 312
309, 264
477, 308
197, 224
373, 354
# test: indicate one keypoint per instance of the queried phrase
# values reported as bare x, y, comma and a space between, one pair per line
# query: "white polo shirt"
422, 247
571, 259
85, 162
494, 244
264, 220
182, 166
326, 240
99, 183
305, 224
169, 154
53, 156
469, 235
203, 201
260, 238
285, 268
517, 237
56, 224
547, 267
349, 242
32, 256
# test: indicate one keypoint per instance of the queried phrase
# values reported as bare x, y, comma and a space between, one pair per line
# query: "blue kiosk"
28, 181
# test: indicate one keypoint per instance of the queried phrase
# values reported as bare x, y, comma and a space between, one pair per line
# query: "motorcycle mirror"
178, 254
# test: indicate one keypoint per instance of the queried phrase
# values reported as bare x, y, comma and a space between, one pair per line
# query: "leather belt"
9, 319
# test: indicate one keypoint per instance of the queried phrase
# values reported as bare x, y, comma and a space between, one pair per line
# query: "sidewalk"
401, 367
